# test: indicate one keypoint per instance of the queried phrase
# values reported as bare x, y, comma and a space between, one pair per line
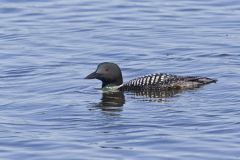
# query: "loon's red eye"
106, 69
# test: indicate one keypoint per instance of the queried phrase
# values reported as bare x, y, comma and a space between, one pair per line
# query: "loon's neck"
111, 88
106, 83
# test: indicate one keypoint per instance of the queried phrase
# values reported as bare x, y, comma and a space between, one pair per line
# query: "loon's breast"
161, 81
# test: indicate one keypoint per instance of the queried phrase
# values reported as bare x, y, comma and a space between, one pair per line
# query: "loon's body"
111, 76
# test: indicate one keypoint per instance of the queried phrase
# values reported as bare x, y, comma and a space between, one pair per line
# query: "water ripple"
49, 111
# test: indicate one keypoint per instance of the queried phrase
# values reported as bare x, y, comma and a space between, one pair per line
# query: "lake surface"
48, 111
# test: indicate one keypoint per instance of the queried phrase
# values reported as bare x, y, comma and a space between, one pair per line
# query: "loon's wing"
166, 81
151, 80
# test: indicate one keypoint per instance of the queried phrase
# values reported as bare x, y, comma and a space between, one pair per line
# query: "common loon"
111, 76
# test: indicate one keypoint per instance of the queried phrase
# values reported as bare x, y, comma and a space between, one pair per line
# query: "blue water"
48, 111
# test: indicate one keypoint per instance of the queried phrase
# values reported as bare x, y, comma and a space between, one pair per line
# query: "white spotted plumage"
135, 82
141, 81
144, 80
138, 82
162, 78
148, 79
153, 78
132, 82
156, 79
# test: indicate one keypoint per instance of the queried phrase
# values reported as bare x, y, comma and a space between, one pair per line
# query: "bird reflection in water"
152, 95
113, 101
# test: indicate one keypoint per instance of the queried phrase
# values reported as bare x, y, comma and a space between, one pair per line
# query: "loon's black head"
108, 73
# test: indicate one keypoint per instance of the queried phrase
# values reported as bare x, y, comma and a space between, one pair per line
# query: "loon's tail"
201, 80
